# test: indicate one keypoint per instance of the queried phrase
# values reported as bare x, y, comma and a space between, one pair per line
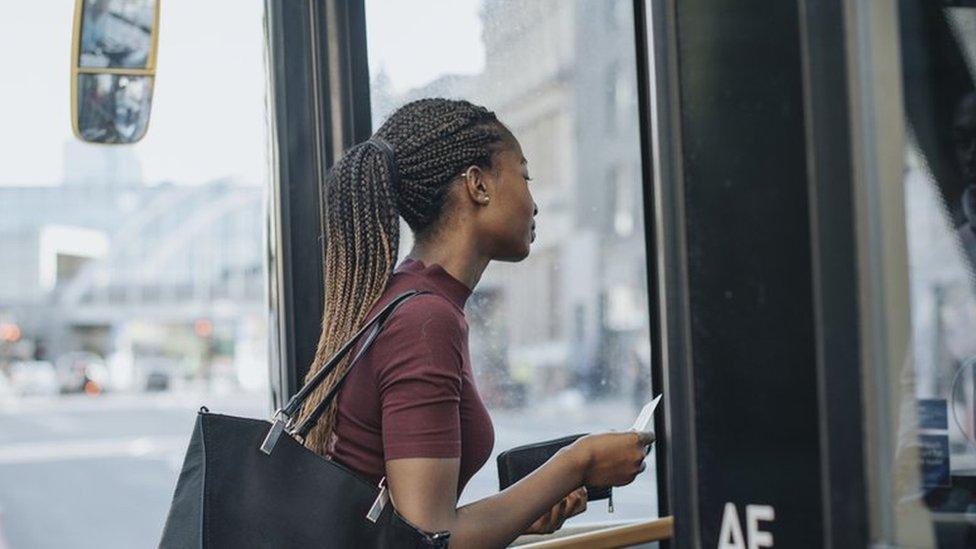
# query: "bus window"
559, 341
133, 287
923, 216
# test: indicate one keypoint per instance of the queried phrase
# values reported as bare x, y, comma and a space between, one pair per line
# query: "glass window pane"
559, 341
134, 278
935, 453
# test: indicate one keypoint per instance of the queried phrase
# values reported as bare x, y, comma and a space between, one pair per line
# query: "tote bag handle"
281, 420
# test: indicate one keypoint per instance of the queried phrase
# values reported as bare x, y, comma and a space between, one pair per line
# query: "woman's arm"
424, 490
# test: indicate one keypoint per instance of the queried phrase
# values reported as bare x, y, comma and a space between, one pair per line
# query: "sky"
208, 115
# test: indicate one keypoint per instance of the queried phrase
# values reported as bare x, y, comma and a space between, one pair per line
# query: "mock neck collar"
455, 290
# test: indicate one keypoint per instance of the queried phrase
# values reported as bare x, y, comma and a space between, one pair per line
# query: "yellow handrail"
608, 538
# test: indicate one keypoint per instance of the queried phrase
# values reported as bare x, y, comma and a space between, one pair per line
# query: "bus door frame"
806, 77
319, 105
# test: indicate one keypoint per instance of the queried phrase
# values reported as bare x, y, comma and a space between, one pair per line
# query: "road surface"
80, 471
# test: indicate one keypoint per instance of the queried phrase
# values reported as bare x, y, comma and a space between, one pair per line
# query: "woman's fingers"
578, 502
570, 506
553, 517
561, 516
542, 525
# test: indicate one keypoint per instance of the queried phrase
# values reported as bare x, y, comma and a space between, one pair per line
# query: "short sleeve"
420, 380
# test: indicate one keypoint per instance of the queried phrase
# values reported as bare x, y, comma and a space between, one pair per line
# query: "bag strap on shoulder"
282, 418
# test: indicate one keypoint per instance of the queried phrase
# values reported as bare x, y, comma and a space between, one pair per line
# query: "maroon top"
412, 394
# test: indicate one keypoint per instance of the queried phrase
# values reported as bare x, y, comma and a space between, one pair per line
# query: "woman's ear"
477, 184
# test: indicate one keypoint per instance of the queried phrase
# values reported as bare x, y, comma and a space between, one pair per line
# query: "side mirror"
113, 67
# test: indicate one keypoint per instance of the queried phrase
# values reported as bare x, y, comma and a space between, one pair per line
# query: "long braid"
433, 140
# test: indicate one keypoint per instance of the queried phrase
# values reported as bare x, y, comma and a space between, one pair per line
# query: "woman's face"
508, 216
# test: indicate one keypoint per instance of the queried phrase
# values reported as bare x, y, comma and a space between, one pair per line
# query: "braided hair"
433, 141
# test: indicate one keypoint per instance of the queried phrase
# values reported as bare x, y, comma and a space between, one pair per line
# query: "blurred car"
34, 377
155, 373
81, 371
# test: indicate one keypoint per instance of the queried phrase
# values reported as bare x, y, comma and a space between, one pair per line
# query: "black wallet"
515, 463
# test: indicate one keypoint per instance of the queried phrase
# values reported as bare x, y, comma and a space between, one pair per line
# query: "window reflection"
116, 33
936, 455
560, 341
113, 108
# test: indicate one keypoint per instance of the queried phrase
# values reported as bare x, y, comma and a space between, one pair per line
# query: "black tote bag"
243, 484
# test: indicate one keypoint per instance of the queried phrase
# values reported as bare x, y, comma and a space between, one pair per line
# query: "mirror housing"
113, 69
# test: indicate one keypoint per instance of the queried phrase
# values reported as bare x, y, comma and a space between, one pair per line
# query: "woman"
409, 410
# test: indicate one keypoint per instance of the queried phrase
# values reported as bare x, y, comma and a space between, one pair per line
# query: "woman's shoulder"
425, 335
428, 308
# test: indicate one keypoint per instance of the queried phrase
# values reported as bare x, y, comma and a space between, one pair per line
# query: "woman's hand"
569, 506
612, 459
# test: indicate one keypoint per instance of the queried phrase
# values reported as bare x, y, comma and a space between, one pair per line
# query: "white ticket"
643, 421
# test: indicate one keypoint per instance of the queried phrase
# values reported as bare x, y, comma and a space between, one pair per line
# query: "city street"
79, 471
